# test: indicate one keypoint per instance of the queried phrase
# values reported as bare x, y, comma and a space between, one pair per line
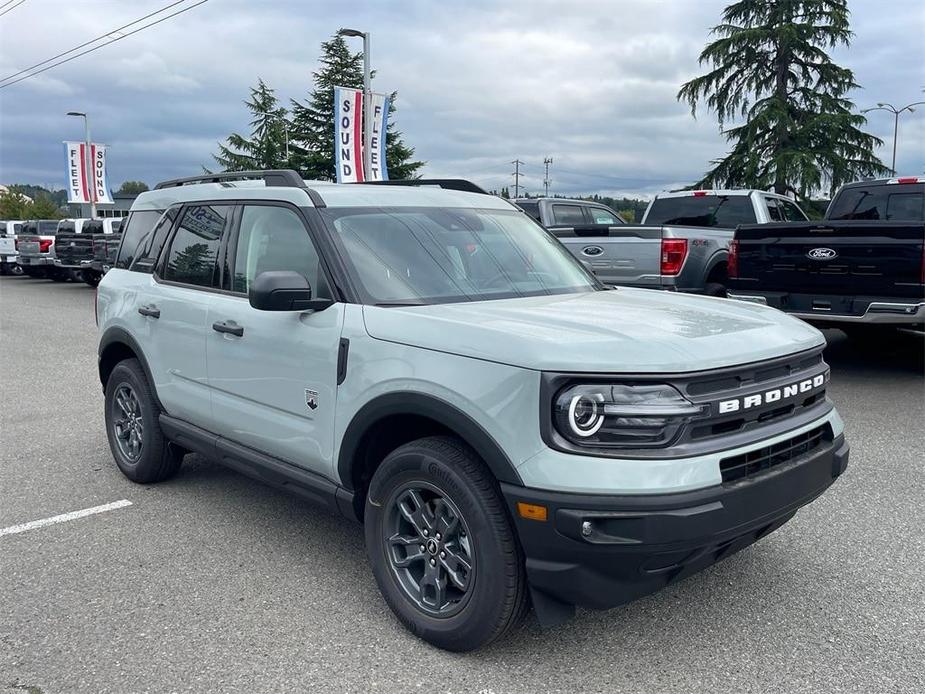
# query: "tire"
92, 278
868, 334
447, 477
58, 276
715, 289
132, 418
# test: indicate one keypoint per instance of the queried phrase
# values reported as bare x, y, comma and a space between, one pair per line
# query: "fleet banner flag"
375, 138
348, 140
84, 186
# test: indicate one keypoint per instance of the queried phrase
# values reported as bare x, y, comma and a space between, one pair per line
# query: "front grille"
754, 462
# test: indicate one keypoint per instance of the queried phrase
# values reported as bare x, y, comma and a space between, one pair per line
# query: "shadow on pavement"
889, 353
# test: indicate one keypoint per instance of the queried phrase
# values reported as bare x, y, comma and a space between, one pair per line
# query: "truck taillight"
674, 251
732, 262
44, 245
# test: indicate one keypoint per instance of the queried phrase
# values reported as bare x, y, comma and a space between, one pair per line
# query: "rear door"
176, 310
274, 383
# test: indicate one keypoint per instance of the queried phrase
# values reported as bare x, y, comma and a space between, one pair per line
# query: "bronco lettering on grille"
771, 396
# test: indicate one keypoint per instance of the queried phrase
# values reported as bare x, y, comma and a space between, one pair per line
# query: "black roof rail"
282, 178
460, 184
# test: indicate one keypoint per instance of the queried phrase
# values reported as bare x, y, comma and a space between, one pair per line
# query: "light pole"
892, 109
367, 95
91, 189
285, 127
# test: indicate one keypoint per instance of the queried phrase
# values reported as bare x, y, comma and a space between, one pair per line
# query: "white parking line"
64, 517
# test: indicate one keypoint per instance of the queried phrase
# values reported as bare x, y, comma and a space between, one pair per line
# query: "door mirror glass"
283, 290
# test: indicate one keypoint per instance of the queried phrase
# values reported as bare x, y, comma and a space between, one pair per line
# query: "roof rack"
282, 178
460, 184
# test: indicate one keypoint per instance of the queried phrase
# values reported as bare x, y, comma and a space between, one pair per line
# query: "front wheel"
137, 443
441, 546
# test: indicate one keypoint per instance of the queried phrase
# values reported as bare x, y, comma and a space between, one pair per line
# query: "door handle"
228, 326
150, 311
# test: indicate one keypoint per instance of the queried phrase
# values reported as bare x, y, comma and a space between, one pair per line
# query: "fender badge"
311, 399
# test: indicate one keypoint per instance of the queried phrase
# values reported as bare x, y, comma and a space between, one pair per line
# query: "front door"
273, 374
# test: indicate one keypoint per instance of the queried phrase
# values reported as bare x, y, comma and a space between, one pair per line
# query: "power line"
90, 50
12, 8
87, 43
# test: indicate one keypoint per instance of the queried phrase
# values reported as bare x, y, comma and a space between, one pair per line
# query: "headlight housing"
619, 415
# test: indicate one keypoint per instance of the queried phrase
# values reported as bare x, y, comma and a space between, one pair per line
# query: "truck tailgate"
71, 248
623, 254
849, 258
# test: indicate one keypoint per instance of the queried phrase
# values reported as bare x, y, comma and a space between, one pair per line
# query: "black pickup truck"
86, 253
863, 265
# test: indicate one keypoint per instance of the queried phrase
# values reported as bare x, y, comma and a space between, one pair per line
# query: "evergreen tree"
13, 205
313, 120
266, 147
43, 207
133, 187
769, 67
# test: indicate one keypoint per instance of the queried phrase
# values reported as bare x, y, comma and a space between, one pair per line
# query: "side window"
275, 238
600, 215
568, 214
135, 234
791, 212
147, 256
906, 207
774, 212
195, 246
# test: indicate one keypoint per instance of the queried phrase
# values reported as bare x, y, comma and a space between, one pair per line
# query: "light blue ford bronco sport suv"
433, 363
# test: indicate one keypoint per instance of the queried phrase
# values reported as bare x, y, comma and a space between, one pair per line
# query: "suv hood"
619, 331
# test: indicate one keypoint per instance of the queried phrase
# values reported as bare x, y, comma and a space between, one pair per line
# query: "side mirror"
284, 290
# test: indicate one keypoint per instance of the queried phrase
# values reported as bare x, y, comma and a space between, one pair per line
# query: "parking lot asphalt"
213, 582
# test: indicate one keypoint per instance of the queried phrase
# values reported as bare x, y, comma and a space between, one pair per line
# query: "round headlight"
586, 413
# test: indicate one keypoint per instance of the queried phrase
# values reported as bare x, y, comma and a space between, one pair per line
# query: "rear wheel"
137, 443
715, 289
58, 275
441, 546
91, 278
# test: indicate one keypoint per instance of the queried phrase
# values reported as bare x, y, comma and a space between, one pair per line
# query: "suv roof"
286, 185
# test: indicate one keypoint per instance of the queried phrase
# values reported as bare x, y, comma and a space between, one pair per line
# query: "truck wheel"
714, 289
57, 276
138, 445
91, 278
441, 546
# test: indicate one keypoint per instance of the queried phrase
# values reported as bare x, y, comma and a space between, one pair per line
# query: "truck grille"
754, 462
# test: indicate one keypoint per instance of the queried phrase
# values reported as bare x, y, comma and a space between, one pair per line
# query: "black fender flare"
433, 408
120, 336
719, 256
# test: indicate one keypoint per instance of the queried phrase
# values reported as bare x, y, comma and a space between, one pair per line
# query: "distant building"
6, 189
122, 203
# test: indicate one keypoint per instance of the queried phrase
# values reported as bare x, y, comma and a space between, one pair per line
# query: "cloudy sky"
589, 83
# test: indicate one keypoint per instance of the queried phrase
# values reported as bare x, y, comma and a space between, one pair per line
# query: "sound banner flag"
348, 140
80, 188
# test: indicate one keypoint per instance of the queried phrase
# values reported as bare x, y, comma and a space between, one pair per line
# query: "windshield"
702, 211
436, 255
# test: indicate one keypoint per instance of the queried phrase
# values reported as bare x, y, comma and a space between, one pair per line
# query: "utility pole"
91, 188
546, 162
516, 175
367, 96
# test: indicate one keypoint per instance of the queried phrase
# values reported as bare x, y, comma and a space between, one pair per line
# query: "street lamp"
285, 127
367, 93
88, 166
892, 109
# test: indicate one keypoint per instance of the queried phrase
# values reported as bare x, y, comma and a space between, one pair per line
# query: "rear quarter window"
135, 234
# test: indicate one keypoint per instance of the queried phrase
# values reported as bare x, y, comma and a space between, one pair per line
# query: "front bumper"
845, 310
637, 544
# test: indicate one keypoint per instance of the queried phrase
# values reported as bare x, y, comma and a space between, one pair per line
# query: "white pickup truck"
8, 253
682, 243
